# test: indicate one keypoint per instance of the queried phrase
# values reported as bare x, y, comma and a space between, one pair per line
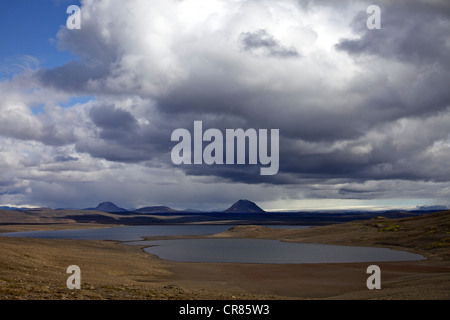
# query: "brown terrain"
36, 268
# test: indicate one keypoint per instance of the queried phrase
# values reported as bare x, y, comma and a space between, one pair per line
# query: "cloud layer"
362, 114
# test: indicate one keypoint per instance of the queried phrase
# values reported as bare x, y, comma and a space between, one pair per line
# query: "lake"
128, 233
268, 251
225, 250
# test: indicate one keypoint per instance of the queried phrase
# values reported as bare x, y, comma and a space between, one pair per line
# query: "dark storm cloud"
118, 136
72, 77
65, 158
412, 31
112, 121
261, 39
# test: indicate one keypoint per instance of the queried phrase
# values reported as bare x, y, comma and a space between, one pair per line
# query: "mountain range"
108, 207
241, 212
241, 206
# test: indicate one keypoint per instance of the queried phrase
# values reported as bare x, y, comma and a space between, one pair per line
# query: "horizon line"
337, 208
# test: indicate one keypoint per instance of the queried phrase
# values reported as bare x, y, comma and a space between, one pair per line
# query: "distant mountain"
156, 209
244, 206
108, 207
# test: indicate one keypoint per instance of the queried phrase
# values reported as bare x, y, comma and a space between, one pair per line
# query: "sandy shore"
36, 268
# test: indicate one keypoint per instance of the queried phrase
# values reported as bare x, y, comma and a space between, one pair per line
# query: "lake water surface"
225, 250
128, 233
268, 251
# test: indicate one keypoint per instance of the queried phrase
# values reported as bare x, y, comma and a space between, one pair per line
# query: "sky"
86, 115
